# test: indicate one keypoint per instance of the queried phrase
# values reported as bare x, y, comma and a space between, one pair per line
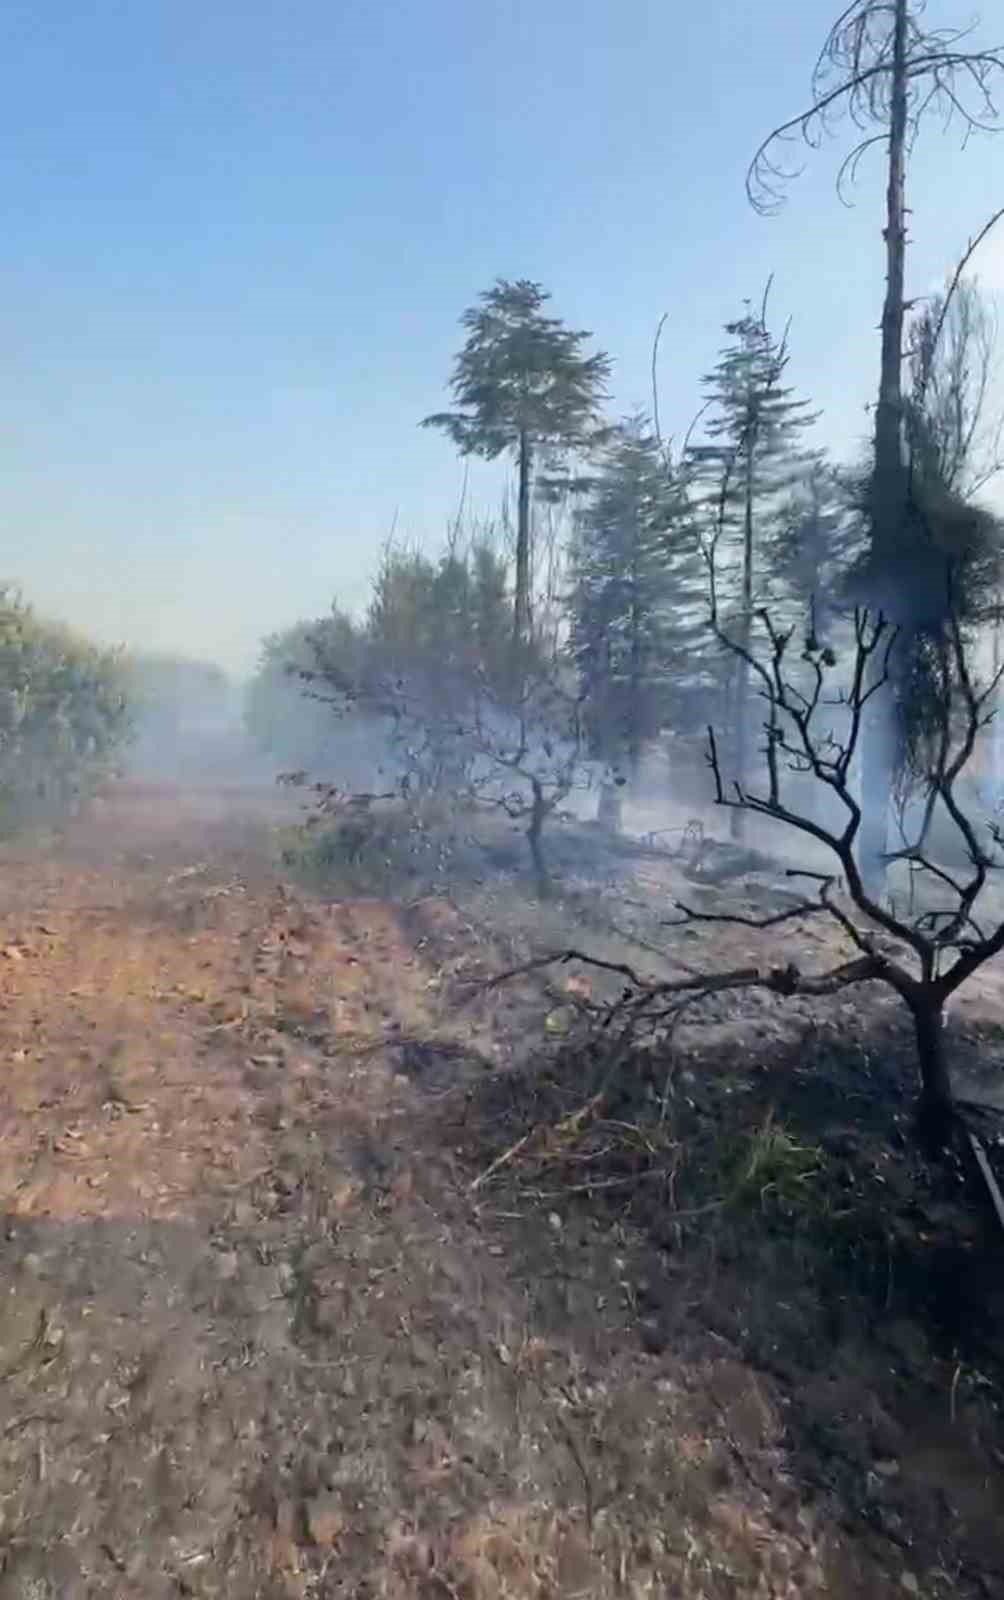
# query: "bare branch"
655, 378
953, 286
859, 49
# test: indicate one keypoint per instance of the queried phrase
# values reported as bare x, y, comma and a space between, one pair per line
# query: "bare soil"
269, 1327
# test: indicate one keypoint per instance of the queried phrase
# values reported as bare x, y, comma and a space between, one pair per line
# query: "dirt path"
255, 1339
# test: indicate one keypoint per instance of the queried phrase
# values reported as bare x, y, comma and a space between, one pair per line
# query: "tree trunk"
741, 709
636, 718
935, 1111
878, 778
610, 808
535, 839
889, 488
521, 609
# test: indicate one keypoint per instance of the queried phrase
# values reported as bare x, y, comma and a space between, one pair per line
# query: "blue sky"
238, 239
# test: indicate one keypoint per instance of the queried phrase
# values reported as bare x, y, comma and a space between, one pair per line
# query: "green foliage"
64, 715
441, 618
523, 383
811, 544
437, 641
945, 565
639, 593
772, 1167
739, 478
280, 713
751, 458
522, 372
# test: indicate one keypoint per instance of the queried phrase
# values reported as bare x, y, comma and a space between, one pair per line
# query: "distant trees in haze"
637, 593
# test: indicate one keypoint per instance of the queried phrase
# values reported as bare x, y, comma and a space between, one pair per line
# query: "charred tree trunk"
936, 1109
521, 609
890, 480
535, 839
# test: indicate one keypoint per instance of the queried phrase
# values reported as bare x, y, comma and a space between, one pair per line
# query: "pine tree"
739, 476
810, 546
637, 593
522, 383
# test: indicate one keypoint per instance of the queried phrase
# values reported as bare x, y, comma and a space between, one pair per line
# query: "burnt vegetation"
555, 1146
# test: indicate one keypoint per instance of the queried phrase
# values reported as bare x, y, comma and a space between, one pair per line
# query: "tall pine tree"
523, 383
749, 461
637, 593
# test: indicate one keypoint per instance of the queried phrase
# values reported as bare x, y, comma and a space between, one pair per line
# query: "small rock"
909, 1582
228, 1265
555, 1222
887, 1468
325, 1518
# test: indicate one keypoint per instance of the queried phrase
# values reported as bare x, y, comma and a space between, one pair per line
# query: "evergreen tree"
522, 383
739, 476
808, 550
637, 593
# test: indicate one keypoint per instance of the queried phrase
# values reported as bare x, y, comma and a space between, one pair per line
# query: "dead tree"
538, 739
925, 957
883, 70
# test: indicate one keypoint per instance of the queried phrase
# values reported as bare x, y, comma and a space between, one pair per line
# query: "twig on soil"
952, 1393
605, 1183
562, 958
501, 1161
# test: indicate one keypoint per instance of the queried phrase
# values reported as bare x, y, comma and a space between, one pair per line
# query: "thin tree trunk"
637, 689
997, 732
889, 489
936, 1108
609, 811
535, 839
741, 708
521, 610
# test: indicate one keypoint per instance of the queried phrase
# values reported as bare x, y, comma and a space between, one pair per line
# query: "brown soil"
260, 1336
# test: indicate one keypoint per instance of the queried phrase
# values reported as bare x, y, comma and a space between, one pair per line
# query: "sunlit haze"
238, 240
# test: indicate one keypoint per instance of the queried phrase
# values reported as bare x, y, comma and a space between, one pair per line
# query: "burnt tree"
924, 956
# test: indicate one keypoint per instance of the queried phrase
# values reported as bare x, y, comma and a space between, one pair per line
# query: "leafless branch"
858, 51
655, 378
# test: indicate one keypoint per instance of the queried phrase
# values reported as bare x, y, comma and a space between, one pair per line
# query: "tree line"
748, 509
740, 561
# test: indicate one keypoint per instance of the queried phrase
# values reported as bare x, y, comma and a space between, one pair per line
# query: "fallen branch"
787, 981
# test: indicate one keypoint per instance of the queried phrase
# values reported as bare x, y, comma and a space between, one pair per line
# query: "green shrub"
63, 715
